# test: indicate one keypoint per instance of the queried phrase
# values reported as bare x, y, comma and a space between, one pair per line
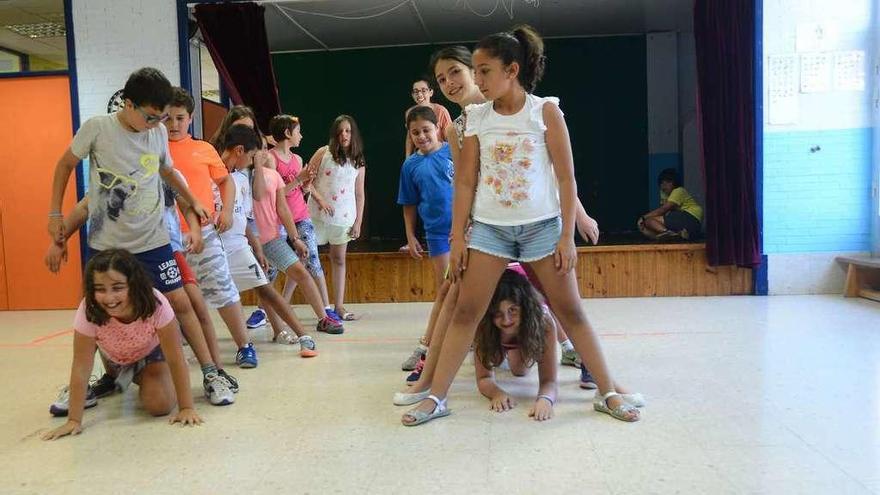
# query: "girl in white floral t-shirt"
336, 203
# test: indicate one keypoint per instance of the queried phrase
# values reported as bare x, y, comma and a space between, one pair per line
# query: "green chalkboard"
600, 81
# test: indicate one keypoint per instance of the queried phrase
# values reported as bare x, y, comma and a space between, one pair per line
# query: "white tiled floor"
746, 395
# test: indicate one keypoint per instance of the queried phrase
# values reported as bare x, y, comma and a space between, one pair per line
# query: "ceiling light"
38, 30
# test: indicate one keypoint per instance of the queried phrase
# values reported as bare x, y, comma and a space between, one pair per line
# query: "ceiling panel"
362, 23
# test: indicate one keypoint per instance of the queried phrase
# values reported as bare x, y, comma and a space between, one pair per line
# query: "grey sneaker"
413, 359
61, 405
307, 347
570, 358
233, 383
217, 390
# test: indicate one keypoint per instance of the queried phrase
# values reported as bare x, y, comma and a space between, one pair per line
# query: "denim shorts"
279, 254
124, 374
529, 242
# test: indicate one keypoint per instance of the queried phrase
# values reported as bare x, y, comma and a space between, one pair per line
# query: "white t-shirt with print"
125, 189
243, 209
517, 184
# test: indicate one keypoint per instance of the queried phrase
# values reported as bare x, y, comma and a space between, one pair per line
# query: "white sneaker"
217, 390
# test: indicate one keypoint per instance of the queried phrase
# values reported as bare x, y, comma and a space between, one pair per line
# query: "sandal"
420, 417
286, 336
623, 412
408, 399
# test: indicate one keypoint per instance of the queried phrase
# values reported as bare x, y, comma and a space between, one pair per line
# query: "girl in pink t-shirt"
286, 130
133, 326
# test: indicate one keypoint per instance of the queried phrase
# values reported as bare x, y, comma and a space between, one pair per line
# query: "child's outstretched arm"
261, 159
226, 185
57, 252
355, 231
499, 401
83, 361
193, 241
542, 409
256, 246
290, 226
169, 340
559, 147
463, 200
587, 227
63, 169
409, 221
173, 180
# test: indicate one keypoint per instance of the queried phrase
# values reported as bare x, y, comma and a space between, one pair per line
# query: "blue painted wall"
817, 199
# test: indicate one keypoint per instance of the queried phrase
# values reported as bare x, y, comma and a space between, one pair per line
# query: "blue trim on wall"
760, 275
183, 44
75, 117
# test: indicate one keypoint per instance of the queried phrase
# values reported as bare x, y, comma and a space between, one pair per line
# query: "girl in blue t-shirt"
426, 190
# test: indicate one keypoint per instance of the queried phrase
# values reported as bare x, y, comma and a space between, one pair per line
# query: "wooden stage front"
640, 270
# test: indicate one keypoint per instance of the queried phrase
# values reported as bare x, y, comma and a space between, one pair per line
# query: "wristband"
548, 399
56, 214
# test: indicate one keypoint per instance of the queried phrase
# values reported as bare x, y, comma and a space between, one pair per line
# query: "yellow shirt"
684, 200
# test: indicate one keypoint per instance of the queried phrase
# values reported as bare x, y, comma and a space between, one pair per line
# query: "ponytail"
522, 45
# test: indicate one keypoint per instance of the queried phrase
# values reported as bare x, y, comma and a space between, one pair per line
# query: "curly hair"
516, 289
140, 287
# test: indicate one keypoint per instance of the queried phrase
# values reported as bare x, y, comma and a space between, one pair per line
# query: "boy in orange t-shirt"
210, 182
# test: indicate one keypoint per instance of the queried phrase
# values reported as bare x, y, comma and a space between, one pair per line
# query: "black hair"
669, 174
420, 112
140, 287
181, 98
522, 45
148, 87
281, 124
241, 135
458, 53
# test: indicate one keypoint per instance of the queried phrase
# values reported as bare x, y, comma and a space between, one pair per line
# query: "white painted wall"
116, 37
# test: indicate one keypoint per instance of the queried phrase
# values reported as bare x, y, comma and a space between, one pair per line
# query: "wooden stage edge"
603, 271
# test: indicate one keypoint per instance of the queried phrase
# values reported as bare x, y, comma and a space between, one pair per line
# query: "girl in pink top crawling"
133, 326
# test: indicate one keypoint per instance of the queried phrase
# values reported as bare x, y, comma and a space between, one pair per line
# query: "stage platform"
620, 266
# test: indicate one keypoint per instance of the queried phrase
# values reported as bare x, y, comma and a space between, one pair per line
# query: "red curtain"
235, 34
725, 40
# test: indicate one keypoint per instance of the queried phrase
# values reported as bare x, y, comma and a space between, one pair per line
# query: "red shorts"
186, 274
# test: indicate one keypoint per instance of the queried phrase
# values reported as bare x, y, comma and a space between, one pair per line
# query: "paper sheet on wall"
849, 71
816, 72
782, 89
816, 37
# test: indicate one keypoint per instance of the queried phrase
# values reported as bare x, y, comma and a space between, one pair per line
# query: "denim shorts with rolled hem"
437, 245
124, 374
279, 254
529, 242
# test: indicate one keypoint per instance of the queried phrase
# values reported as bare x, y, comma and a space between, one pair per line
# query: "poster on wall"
849, 71
782, 89
815, 72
